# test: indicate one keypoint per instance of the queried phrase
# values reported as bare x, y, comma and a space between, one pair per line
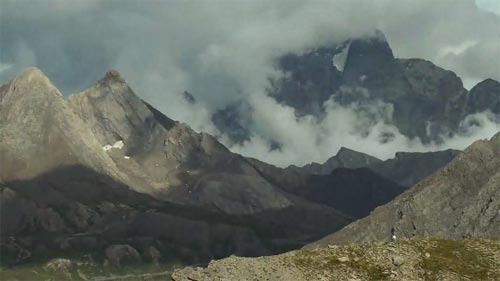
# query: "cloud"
222, 51
489, 5
365, 127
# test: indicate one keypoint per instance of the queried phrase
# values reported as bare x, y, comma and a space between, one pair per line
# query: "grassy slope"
429, 259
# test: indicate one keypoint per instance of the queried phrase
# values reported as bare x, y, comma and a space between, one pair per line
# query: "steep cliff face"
309, 81
114, 113
371, 64
39, 131
461, 200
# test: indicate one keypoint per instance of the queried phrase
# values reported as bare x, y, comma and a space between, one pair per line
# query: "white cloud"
489, 5
362, 127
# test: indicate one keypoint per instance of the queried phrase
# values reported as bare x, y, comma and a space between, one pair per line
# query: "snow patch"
339, 59
118, 144
126, 157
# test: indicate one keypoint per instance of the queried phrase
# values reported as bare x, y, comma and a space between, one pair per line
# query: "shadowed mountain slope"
461, 200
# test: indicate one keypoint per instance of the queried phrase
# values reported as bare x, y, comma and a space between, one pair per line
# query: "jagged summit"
32, 75
366, 56
114, 112
34, 82
112, 76
39, 131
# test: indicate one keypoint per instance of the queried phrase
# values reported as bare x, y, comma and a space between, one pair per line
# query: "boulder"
117, 255
59, 265
151, 254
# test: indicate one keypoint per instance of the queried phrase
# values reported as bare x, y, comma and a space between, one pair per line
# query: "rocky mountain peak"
112, 76
116, 113
488, 83
483, 96
345, 158
345, 151
32, 75
34, 82
39, 131
366, 56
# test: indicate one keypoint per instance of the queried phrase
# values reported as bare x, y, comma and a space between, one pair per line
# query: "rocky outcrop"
117, 255
461, 200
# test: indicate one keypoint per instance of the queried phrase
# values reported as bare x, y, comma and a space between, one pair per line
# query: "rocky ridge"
414, 259
459, 201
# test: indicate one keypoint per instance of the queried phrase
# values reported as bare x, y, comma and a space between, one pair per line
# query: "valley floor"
66, 270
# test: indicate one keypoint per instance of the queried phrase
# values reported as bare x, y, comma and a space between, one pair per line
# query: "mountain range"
446, 227
103, 174
103, 167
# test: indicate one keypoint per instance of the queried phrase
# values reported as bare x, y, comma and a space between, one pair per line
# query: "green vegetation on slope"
76, 271
418, 259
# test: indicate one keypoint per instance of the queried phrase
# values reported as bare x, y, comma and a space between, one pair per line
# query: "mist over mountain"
227, 53
374, 101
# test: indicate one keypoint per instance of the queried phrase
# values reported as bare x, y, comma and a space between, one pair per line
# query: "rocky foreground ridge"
414, 259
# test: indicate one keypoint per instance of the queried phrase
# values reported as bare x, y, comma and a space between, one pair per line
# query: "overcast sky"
221, 51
